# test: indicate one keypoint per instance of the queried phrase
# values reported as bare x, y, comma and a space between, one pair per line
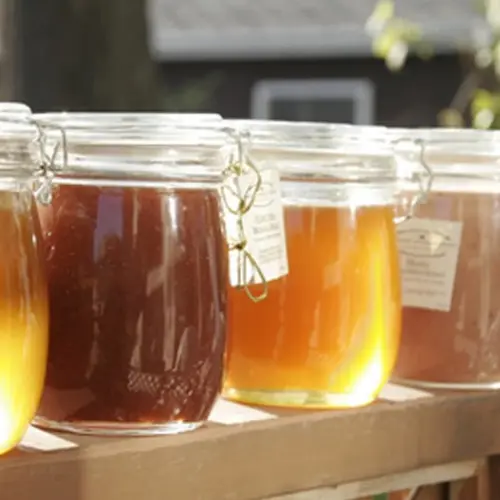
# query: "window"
325, 100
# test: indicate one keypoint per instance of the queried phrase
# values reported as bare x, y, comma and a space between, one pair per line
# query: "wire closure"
424, 181
238, 200
42, 188
47, 167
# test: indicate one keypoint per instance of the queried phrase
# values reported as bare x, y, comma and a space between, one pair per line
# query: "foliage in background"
477, 101
89, 55
194, 96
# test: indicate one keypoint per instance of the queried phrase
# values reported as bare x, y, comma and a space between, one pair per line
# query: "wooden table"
284, 455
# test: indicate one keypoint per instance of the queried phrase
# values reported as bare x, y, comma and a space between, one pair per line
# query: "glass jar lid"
14, 108
455, 152
313, 137
139, 148
19, 141
335, 163
332, 152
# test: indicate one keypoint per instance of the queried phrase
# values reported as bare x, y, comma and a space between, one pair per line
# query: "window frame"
360, 90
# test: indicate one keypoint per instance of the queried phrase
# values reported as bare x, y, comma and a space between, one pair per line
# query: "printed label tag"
428, 252
264, 229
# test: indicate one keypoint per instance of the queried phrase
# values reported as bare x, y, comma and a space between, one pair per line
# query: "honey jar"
328, 333
137, 272
23, 287
450, 266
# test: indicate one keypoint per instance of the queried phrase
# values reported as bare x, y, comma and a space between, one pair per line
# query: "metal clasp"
42, 188
238, 201
424, 179
47, 162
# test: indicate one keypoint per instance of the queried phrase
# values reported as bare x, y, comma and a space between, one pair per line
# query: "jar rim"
16, 122
303, 127
12, 107
74, 119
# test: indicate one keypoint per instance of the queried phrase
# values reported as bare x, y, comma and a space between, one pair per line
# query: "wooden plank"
494, 477
488, 479
435, 492
483, 491
463, 490
394, 482
265, 458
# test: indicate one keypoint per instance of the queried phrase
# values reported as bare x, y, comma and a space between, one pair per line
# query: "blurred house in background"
305, 59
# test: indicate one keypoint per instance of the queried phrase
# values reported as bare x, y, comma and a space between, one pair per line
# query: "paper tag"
264, 229
428, 253
37, 440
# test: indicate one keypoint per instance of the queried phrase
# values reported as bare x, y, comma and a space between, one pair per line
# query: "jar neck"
340, 194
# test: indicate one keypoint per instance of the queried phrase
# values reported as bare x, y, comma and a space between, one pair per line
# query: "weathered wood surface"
266, 458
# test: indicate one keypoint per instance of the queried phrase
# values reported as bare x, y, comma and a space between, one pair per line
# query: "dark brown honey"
137, 293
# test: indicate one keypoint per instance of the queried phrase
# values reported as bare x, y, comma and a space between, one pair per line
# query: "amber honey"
23, 317
328, 333
459, 348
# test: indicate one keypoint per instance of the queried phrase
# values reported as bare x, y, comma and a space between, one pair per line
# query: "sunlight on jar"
23, 316
327, 335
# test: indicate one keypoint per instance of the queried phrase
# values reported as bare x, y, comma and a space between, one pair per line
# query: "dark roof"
245, 29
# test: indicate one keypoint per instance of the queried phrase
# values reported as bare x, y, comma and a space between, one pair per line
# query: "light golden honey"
23, 317
328, 333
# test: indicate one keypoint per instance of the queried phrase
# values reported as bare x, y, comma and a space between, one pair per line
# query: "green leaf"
485, 109
383, 43
450, 118
480, 6
482, 99
384, 10
407, 30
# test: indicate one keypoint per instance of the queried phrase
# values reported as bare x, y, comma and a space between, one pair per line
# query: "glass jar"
137, 271
14, 108
23, 287
328, 333
451, 266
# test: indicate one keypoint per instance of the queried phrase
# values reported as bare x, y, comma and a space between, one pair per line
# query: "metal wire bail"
47, 162
42, 186
424, 179
241, 166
